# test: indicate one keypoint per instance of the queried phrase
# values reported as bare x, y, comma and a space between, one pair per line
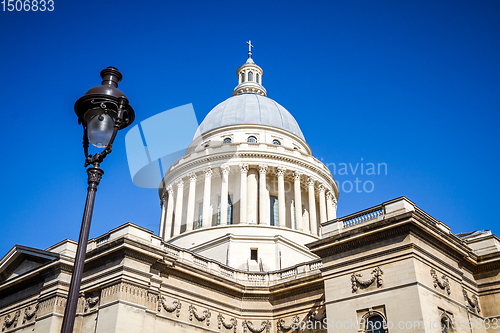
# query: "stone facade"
393, 260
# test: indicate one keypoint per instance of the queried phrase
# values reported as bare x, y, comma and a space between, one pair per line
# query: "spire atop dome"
249, 76
249, 60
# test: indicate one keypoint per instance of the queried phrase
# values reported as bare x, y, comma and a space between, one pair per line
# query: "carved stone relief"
11, 320
29, 313
205, 316
176, 306
280, 324
443, 283
357, 282
248, 326
90, 302
472, 304
232, 325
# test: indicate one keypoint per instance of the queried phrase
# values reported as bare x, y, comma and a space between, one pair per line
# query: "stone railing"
257, 279
363, 216
379, 212
177, 254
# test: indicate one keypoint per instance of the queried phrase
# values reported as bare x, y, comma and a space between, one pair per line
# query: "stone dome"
250, 109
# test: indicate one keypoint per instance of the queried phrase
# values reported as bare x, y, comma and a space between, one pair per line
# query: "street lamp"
102, 111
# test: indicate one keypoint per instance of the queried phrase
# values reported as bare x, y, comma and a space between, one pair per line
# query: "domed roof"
251, 109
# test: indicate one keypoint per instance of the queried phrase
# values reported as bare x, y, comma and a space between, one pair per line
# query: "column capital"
263, 168
310, 181
244, 167
170, 190
180, 183
280, 171
329, 195
321, 188
225, 168
296, 175
208, 172
192, 177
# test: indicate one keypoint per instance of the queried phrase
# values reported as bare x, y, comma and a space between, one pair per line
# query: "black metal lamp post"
102, 111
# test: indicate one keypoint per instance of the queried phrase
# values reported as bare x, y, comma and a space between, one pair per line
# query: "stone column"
312, 206
224, 170
298, 200
334, 208
243, 193
329, 206
322, 204
191, 202
207, 216
280, 172
178, 207
263, 197
163, 204
252, 197
167, 230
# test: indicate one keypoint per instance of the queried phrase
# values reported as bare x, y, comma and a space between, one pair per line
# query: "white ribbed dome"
251, 109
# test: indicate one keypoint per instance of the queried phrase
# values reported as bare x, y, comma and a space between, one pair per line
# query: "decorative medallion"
376, 276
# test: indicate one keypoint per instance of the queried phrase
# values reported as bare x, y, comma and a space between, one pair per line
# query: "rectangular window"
253, 254
274, 210
229, 209
294, 220
200, 216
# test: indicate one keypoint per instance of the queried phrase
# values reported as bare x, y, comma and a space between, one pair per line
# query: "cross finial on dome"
249, 48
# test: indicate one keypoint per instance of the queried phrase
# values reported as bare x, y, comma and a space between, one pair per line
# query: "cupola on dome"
250, 104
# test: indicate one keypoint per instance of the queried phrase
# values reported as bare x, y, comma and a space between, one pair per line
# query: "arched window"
257, 78
276, 142
242, 77
445, 325
227, 140
375, 324
250, 76
252, 139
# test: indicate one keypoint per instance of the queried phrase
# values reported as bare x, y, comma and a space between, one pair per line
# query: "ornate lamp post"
102, 111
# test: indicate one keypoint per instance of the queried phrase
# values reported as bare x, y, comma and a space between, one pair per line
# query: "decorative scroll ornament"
443, 283
10, 321
176, 306
30, 313
233, 323
247, 326
206, 314
471, 304
357, 282
280, 324
90, 302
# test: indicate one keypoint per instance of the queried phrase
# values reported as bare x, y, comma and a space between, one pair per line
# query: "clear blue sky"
413, 84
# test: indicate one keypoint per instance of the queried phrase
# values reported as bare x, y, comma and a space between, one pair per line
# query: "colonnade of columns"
172, 215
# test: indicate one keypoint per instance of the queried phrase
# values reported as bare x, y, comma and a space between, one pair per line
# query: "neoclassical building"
249, 241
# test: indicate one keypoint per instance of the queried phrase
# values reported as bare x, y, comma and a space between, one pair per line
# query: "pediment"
22, 259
